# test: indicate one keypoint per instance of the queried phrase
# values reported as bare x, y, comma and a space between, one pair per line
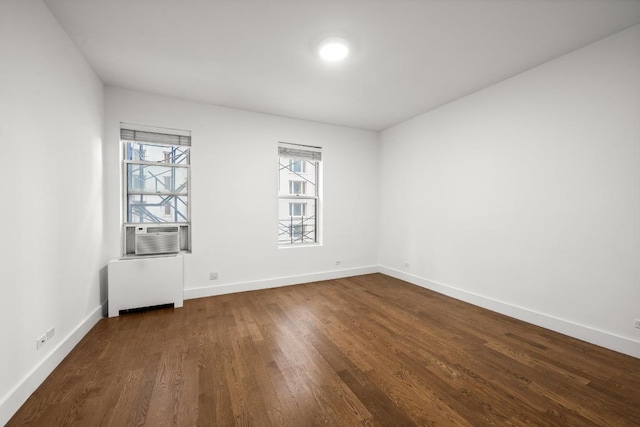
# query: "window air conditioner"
157, 239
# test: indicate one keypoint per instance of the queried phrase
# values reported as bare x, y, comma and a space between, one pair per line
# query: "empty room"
301, 213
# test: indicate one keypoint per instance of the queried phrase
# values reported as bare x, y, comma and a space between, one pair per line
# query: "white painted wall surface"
234, 190
51, 116
525, 197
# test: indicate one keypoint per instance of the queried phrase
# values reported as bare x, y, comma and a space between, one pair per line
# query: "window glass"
297, 187
156, 177
298, 196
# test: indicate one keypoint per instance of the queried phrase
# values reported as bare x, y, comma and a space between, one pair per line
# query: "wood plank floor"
362, 351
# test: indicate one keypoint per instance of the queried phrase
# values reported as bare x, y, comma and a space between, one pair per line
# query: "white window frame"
159, 137
303, 230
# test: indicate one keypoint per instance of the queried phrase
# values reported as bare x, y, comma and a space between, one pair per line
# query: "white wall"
525, 197
51, 114
234, 188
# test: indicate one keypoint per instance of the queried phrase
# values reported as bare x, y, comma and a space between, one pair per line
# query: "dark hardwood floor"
366, 350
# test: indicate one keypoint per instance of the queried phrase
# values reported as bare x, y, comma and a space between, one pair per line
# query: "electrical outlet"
338, 262
637, 323
213, 276
41, 341
51, 332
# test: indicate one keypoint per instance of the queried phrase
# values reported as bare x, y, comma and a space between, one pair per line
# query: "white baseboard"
255, 285
21, 392
563, 326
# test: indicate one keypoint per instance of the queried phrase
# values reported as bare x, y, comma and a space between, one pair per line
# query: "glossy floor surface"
366, 350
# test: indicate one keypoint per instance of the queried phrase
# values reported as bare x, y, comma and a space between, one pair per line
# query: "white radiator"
145, 282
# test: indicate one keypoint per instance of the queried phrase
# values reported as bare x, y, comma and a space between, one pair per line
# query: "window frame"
288, 155
139, 190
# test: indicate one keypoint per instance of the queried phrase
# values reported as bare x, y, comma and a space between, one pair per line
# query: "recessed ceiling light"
333, 49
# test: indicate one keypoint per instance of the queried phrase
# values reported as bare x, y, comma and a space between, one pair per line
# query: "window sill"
299, 245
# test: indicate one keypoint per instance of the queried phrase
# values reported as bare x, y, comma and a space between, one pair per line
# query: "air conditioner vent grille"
151, 239
162, 229
157, 243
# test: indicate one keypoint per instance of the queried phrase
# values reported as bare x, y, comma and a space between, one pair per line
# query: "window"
298, 198
297, 209
156, 177
156, 167
297, 231
137, 182
167, 186
297, 187
297, 166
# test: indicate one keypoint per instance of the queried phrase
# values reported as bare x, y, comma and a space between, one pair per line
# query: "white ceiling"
408, 56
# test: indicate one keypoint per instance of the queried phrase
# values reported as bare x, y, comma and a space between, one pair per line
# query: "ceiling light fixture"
333, 49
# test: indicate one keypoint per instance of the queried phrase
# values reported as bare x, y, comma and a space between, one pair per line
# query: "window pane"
152, 208
300, 179
156, 153
298, 195
297, 187
297, 165
157, 179
297, 209
296, 221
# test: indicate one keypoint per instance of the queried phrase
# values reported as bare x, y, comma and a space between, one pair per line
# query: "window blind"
154, 137
299, 152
